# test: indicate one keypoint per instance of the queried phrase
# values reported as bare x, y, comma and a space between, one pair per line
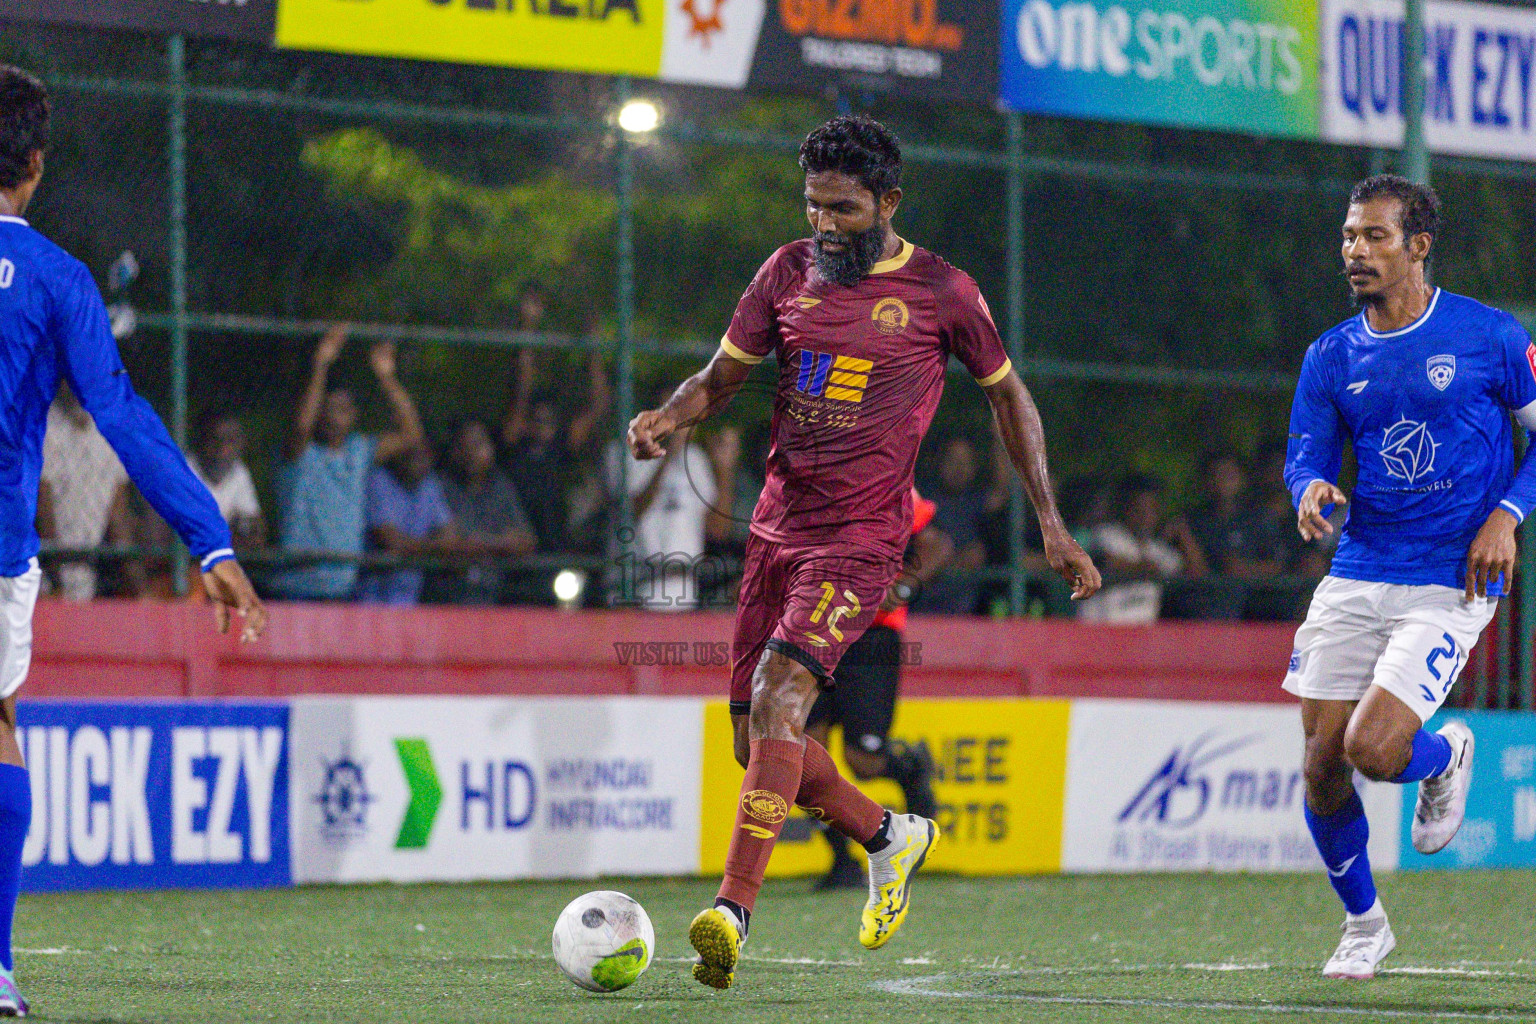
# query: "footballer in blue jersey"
1422, 384
53, 326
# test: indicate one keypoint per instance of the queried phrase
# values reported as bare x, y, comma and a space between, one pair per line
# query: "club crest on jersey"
842, 377
1441, 370
1408, 449
890, 315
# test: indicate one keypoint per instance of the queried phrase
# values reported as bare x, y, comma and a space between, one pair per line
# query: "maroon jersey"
861, 370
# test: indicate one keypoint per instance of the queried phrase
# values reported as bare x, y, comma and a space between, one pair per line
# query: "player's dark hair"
23, 123
857, 146
1420, 204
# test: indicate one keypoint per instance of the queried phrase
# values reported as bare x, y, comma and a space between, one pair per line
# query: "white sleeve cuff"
213, 558
1513, 510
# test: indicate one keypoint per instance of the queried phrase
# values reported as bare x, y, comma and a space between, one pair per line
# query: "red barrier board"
131, 649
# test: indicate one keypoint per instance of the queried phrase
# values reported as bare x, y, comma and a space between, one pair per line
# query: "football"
603, 941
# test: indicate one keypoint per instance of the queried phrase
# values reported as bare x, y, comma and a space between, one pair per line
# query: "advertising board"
1478, 81
155, 795
446, 788
1232, 65
1176, 786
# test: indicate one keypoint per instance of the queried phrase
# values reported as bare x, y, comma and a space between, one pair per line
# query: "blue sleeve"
1518, 394
89, 361
1316, 447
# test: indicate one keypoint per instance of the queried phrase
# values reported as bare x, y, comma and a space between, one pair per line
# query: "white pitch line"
923, 987
1222, 967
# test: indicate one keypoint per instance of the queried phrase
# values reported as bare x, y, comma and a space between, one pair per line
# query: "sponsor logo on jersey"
1357, 387
765, 805
890, 315
1441, 370
806, 301
1408, 449
841, 377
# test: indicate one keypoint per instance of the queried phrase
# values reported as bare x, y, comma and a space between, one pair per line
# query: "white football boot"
1443, 800
1367, 941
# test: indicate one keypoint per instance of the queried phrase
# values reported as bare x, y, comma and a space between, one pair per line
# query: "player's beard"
1358, 300
858, 257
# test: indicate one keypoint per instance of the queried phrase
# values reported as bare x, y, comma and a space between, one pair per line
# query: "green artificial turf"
1127, 949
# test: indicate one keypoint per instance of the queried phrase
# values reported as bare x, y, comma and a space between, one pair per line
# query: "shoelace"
1438, 799
1356, 944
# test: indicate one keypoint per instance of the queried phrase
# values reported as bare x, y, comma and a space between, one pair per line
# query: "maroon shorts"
808, 603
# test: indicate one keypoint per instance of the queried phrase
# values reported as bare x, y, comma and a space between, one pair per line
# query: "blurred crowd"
523, 511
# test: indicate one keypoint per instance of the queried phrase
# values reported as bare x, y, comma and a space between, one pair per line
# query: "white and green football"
604, 941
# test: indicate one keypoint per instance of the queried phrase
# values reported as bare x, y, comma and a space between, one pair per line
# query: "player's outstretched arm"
1018, 421
696, 399
230, 591
88, 359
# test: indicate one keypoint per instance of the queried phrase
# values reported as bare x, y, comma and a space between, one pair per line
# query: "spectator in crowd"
218, 459
487, 508
677, 511
1042, 590
1137, 558
324, 480
962, 507
1226, 526
542, 454
1277, 519
1087, 502
84, 495
407, 515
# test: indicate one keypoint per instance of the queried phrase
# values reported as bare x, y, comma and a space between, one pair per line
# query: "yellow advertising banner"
1001, 783
621, 37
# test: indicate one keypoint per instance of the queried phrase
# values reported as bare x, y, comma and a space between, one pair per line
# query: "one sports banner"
942, 48
1479, 85
1233, 65
236, 19
456, 788
1179, 786
155, 795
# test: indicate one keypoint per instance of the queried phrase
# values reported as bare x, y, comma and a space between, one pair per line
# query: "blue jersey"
1427, 409
53, 323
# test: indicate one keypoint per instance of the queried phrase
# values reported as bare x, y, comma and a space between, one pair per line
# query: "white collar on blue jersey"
8, 219
1423, 318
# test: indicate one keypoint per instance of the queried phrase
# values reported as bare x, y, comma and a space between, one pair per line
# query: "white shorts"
1412, 641
18, 596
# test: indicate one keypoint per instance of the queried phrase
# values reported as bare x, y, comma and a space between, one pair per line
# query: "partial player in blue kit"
53, 325
1422, 383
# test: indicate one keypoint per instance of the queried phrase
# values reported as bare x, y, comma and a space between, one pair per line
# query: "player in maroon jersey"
862, 324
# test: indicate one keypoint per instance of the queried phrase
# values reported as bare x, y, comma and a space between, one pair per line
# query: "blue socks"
1341, 838
1431, 756
15, 819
